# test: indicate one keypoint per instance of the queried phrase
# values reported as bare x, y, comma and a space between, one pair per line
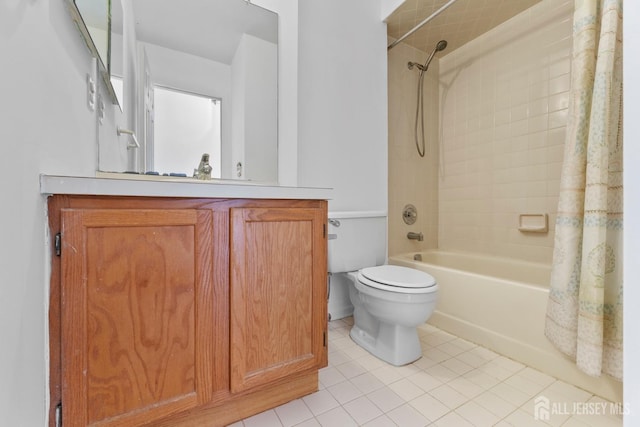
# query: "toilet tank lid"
395, 275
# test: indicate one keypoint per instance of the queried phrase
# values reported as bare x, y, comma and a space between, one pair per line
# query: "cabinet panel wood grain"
184, 312
135, 319
277, 282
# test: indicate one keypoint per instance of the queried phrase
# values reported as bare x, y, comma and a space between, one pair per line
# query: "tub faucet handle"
415, 236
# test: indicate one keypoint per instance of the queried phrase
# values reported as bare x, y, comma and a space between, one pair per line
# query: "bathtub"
501, 304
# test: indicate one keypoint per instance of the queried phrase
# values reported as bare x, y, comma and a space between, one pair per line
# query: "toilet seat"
394, 278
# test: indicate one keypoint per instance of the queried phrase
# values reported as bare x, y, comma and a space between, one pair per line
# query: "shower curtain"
584, 312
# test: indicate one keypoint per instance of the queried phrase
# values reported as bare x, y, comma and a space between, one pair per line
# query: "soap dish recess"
534, 223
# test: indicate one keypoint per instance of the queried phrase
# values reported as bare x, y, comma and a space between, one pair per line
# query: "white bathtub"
501, 304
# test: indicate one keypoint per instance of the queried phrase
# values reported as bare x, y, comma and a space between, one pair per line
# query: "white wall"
287, 11
387, 7
343, 102
254, 133
45, 127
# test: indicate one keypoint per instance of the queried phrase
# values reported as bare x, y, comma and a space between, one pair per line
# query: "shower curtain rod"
417, 27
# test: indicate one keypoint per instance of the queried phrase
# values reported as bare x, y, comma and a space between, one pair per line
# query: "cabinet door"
278, 294
136, 314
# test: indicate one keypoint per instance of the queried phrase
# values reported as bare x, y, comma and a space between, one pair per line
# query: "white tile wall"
504, 103
412, 179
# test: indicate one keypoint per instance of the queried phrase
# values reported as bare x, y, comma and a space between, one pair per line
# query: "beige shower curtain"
584, 313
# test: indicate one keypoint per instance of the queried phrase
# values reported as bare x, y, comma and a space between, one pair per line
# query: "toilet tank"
356, 240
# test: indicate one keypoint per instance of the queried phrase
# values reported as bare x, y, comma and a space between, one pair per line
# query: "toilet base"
395, 344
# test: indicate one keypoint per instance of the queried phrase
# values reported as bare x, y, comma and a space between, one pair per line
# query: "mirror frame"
84, 31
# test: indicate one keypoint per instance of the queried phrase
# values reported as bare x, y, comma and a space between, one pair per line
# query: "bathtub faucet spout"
415, 236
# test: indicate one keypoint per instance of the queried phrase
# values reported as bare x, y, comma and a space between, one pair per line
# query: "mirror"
116, 51
93, 19
219, 54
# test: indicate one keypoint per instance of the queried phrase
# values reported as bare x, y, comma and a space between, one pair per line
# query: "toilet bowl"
390, 302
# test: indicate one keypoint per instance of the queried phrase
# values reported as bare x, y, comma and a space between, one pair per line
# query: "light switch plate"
91, 93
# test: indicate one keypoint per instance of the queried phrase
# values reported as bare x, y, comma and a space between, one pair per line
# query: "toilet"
389, 301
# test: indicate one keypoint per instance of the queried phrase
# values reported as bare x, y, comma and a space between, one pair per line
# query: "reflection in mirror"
186, 126
116, 52
225, 51
95, 15
92, 17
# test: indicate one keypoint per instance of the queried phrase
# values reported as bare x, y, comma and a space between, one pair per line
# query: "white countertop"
112, 184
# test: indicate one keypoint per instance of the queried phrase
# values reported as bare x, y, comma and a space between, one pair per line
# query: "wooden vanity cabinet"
184, 312
277, 327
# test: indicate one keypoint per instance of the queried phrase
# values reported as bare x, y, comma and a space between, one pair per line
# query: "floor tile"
451, 348
430, 407
524, 384
408, 370
471, 359
343, 343
481, 379
441, 373
574, 422
362, 410
425, 381
495, 369
477, 415
457, 366
351, 369
452, 420
320, 401
438, 338
424, 362
386, 399
510, 394
370, 362
293, 413
495, 404
336, 417
263, 419
567, 392
484, 353
508, 364
356, 352
520, 418
309, 423
387, 374
344, 392
367, 383
382, 421
407, 416
466, 387
537, 376
337, 358
455, 384
595, 420
449, 396
406, 389
435, 354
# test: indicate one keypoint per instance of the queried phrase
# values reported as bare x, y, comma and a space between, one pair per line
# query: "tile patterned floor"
456, 383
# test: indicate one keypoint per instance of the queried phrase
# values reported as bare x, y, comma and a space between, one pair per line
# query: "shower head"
440, 46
